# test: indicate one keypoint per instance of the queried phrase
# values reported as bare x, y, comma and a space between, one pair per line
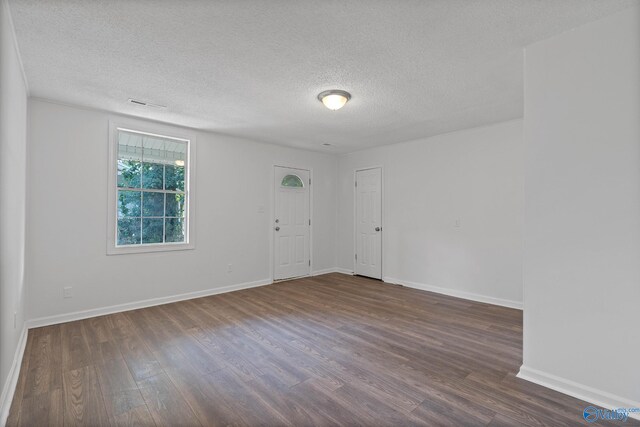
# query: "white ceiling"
253, 68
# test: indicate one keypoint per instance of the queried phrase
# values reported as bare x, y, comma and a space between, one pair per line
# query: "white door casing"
291, 226
369, 223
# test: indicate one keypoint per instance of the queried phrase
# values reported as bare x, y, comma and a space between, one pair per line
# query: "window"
292, 181
149, 197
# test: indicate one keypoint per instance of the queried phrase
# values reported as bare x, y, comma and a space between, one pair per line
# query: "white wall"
474, 176
66, 239
13, 146
582, 211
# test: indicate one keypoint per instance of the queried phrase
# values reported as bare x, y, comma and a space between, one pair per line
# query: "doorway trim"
383, 217
272, 218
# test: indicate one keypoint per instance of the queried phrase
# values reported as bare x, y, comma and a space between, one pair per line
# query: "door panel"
369, 223
291, 226
284, 250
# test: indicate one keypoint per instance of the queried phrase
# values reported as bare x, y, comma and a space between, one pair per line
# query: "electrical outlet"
67, 292
229, 268
457, 223
15, 319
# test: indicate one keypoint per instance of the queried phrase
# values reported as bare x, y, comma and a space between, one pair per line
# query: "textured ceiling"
253, 68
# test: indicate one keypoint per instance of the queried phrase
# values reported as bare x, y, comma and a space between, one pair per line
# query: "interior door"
292, 223
369, 223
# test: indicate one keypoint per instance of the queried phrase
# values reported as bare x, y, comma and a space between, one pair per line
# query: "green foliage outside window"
129, 173
150, 216
174, 177
152, 175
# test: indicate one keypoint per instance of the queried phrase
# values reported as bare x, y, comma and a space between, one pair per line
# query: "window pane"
152, 230
292, 181
176, 154
174, 177
152, 175
129, 145
129, 159
129, 173
144, 163
129, 231
154, 149
128, 203
175, 205
152, 204
174, 230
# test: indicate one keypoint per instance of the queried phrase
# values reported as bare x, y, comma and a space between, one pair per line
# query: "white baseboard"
9, 387
85, 314
579, 391
323, 271
456, 293
331, 270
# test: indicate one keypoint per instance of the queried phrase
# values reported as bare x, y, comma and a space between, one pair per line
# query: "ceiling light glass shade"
334, 102
334, 99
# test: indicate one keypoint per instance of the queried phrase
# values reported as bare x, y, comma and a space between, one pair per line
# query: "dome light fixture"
334, 99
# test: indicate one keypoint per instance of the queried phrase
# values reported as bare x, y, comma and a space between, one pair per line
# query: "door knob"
378, 228
277, 228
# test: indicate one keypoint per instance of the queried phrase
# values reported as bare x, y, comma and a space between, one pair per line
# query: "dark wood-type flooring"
327, 350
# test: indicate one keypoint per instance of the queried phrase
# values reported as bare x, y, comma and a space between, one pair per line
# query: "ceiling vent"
145, 104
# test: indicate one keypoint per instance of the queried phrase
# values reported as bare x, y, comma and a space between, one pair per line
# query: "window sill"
149, 248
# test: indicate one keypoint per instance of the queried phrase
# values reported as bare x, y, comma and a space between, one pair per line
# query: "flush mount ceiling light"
334, 99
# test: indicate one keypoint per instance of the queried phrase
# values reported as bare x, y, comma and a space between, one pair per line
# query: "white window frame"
163, 131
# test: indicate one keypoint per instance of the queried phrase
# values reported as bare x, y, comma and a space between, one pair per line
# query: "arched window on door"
292, 181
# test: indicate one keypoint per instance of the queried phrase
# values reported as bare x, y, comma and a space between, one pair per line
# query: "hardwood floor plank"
136, 417
328, 408
97, 332
441, 414
119, 390
165, 403
135, 352
75, 350
45, 373
284, 399
373, 407
47, 406
197, 391
83, 403
245, 404
502, 421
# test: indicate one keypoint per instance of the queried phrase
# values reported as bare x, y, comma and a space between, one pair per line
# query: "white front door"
292, 223
369, 223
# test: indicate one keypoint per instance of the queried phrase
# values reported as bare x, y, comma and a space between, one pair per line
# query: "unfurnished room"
319, 213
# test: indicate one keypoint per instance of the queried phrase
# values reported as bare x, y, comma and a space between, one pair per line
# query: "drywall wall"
13, 146
67, 218
582, 211
472, 176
